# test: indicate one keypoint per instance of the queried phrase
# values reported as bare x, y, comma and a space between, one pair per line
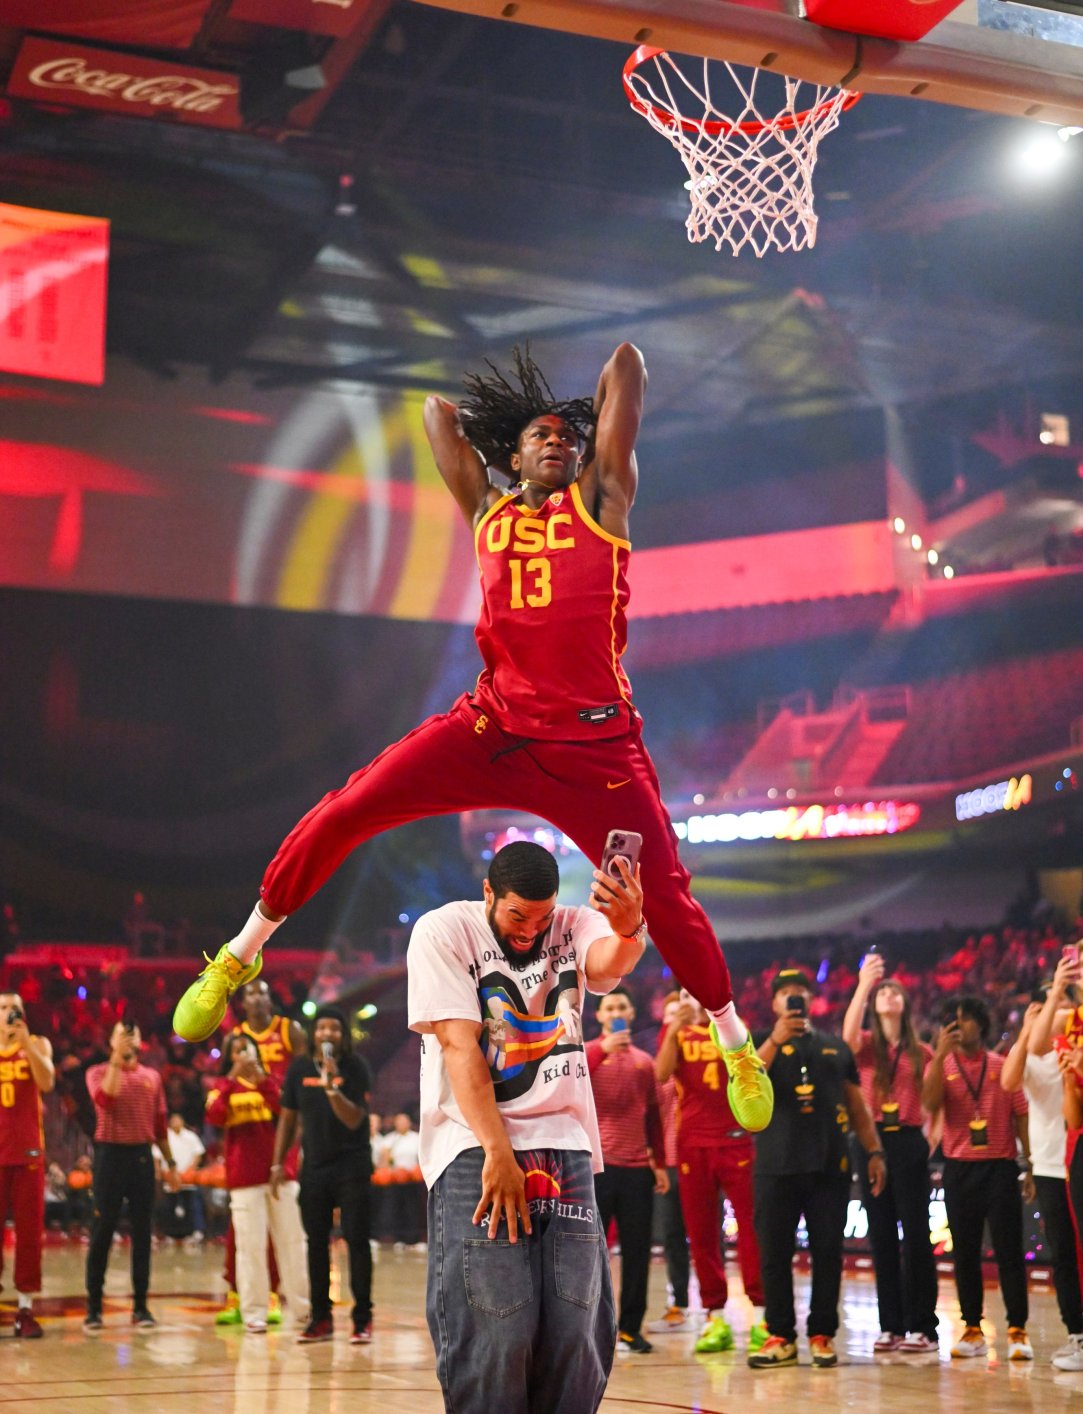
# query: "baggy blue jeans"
524, 1328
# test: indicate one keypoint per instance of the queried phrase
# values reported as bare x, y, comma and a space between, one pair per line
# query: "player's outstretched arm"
457, 461
610, 477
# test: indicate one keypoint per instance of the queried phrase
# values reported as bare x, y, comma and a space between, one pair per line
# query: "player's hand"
276, 1179
621, 900
1030, 1192
661, 1180
686, 1014
503, 1195
18, 1032
616, 1041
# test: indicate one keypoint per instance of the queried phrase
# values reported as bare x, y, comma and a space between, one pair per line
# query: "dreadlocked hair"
494, 411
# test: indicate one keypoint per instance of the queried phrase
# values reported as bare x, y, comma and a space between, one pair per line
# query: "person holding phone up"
633, 1151
803, 1167
129, 1102
985, 1128
891, 1064
1055, 1036
26, 1073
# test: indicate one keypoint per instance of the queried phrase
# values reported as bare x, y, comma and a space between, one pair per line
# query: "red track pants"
705, 1174
463, 761
22, 1196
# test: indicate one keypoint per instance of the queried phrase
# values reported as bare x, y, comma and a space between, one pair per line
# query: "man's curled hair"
495, 411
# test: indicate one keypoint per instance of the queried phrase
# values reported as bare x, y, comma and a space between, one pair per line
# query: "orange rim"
714, 126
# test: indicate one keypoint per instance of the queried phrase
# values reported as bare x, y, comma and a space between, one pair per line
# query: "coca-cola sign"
55, 72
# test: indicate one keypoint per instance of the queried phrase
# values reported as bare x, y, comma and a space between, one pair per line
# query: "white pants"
255, 1213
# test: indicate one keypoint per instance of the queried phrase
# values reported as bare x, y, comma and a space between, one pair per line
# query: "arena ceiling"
463, 185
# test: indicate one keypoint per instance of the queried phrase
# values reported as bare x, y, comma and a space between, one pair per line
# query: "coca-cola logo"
178, 91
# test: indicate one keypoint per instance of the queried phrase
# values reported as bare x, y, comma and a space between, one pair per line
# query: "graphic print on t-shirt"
516, 1044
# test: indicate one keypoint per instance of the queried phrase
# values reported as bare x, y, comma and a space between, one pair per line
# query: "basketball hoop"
750, 176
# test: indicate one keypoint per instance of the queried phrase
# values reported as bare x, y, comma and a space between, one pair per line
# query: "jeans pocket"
578, 1268
497, 1275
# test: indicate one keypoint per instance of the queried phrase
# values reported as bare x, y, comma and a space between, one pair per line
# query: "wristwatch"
637, 934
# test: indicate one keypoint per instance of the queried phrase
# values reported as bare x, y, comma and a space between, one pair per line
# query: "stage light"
1042, 153
949, 573
898, 525
309, 1009
915, 541
932, 557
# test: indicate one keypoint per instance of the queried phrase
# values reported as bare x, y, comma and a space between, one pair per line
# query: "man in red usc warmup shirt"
715, 1157
26, 1073
550, 726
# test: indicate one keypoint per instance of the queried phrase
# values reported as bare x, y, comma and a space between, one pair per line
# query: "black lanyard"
894, 1071
975, 1095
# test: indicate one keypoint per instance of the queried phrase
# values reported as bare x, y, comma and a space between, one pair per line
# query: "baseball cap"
792, 977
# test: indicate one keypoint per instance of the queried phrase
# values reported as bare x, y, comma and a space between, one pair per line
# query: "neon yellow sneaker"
757, 1337
750, 1092
274, 1310
200, 1011
230, 1314
716, 1336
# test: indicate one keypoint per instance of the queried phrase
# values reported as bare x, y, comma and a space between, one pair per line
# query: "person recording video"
130, 1109
329, 1092
803, 1168
26, 1073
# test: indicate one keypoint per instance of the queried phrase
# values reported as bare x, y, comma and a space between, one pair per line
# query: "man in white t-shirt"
1039, 1075
519, 1300
182, 1200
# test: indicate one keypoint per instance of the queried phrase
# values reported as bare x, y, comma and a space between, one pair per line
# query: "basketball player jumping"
550, 726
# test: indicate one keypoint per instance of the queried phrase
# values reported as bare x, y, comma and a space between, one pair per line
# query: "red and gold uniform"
22, 1165
550, 729
248, 1114
714, 1156
276, 1054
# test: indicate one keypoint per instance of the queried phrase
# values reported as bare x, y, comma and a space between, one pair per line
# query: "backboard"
1025, 60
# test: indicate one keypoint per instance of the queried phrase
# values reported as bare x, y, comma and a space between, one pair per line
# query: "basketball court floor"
189, 1365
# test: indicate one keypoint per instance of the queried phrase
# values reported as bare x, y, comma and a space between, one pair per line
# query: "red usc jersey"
22, 1140
704, 1117
275, 1049
553, 622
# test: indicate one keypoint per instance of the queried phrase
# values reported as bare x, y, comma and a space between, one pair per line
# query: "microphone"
328, 1051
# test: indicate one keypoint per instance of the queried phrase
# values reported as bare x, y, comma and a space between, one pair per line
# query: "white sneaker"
256, 1327
1070, 1354
1019, 1347
1072, 1346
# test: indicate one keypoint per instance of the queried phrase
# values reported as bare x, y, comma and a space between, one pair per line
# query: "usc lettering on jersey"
553, 625
22, 1139
704, 1117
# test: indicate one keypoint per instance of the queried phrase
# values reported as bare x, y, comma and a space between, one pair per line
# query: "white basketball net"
750, 175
